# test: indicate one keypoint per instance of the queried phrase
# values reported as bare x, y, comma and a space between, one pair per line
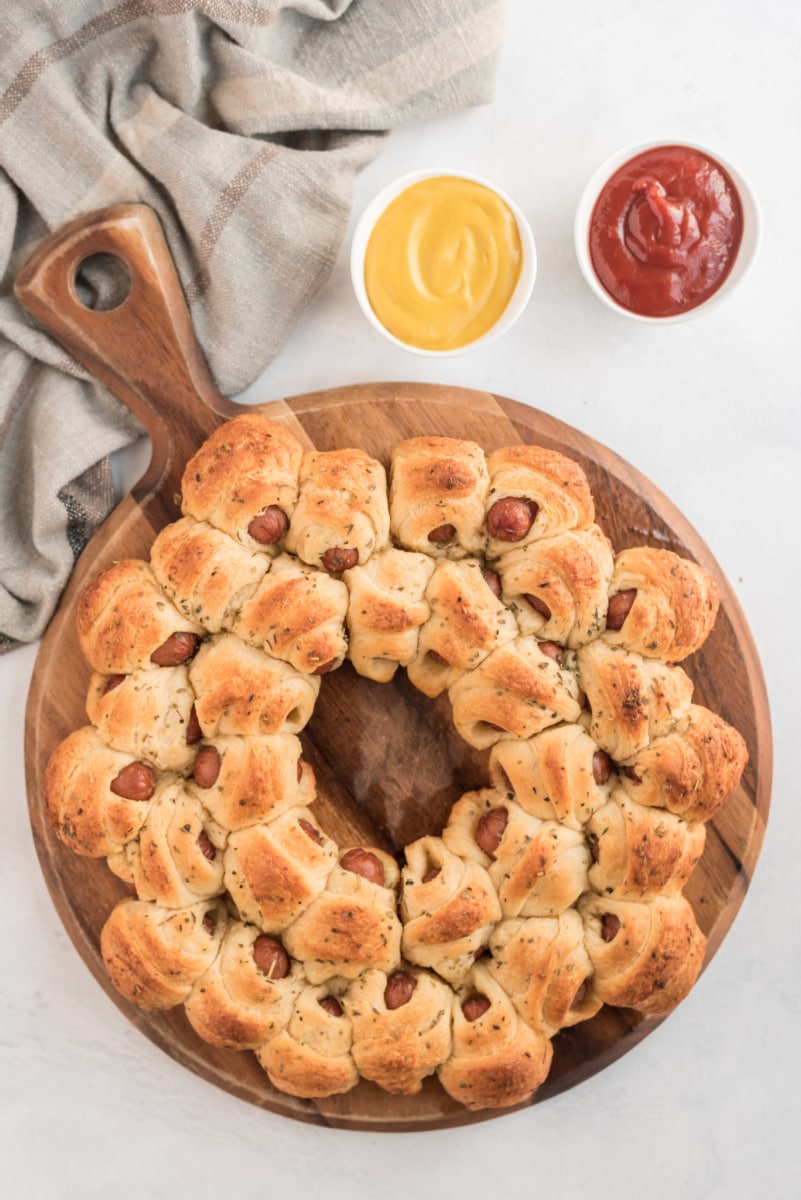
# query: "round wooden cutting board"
388, 762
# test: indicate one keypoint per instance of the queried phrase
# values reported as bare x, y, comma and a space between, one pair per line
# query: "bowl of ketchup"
665, 230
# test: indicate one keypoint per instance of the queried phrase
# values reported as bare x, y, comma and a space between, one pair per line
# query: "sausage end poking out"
178, 648
206, 846
270, 957
442, 534
399, 989
310, 831
338, 560
510, 518
269, 526
475, 1007
206, 770
619, 608
610, 925
601, 767
490, 829
364, 863
331, 1006
134, 782
538, 604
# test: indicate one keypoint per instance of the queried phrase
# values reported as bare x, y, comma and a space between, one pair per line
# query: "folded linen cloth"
243, 124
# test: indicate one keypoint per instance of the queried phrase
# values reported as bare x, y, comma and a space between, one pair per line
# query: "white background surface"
709, 1104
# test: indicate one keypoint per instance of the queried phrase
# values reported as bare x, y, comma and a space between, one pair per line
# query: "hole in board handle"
102, 282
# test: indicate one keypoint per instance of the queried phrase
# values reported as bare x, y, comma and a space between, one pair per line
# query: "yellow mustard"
442, 262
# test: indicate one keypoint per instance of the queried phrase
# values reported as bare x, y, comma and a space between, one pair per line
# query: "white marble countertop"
708, 1105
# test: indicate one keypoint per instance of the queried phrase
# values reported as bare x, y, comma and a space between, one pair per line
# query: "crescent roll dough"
398, 1047
350, 926
497, 1060
256, 779
674, 606
154, 955
467, 622
641, 852
438, 486
632, 699
207, 575
342, 506
234, 1004
297, 614
273, 872
538, 868
312, 1057
448, 906
172, 860
247, 465
241, 691
82, 806
559, 773
543, 966
148, 714
517, 690
645, 956
386, 609
558, 587
124, 618
690, 771
554, 485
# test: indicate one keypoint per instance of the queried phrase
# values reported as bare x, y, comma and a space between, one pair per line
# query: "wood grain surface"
388, 762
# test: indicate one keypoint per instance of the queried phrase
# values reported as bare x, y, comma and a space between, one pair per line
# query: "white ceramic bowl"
751, 235
361, 237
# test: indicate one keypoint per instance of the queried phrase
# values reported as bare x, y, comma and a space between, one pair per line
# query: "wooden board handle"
144, 349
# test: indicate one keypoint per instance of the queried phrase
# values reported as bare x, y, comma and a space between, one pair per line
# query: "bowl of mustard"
442, 262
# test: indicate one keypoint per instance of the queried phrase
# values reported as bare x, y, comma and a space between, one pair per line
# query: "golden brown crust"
243, 692
147, 714
654, 953
258, 779
691, 771
497, 1060
386, 610
247, 465
297, 614
553, 774
538, 868
555, 483
312, 1056
641, 852
675, 606
274, 871
234, 1004
397, 1048
543, 966
154, 955
632, 699
123, 617
342, 505
350, 926
437, 482
208, 662
517, 690
447, 918
207, 575
558, 587
172, 861
467, 623
81, 807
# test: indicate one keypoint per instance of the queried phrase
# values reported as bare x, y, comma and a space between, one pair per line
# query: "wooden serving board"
388, 762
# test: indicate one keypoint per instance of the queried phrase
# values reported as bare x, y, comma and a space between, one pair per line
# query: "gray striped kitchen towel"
243, 124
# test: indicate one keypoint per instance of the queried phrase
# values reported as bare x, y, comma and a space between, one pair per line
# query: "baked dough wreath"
552, 890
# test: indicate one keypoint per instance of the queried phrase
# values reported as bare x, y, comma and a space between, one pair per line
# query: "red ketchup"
665, 231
